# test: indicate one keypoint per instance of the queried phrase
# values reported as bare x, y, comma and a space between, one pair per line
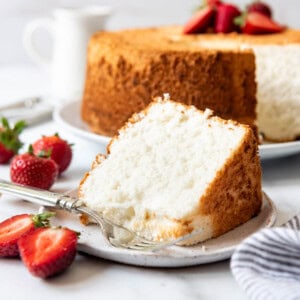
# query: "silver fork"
111, 231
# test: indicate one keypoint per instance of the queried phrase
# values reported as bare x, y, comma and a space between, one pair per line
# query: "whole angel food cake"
223, 72
126, 69
173, 170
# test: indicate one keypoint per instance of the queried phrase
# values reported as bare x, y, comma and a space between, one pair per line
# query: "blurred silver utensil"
23, 103
33, 110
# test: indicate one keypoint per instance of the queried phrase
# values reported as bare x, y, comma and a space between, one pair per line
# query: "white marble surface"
94, 278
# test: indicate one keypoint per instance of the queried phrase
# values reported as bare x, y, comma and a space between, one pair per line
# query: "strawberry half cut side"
12, 229
48, 251
257, 23
200, 21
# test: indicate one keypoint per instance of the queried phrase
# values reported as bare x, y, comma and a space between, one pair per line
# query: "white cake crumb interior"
278, 90
278, 86
161, 164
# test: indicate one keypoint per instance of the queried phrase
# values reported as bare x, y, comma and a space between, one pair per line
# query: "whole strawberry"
59, 149
12, 229
31, 170
48, 251
9, 140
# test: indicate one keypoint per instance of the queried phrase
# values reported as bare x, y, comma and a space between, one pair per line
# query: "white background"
15, 14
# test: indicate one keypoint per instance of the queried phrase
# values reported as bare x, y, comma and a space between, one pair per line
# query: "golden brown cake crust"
126, 69
236, 194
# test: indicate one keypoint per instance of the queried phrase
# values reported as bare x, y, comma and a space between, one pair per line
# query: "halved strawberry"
48, 251
12, 229
224, 20
200, 21
257, 23
260, 7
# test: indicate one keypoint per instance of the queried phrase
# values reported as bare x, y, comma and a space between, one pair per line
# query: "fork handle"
39, 196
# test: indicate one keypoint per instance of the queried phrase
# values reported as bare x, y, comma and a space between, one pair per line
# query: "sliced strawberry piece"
200, 21
48, 251
12, 229
257, 23
10, 232
224, 21
260, 7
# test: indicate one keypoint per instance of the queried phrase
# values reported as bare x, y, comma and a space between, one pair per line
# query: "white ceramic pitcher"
71, 29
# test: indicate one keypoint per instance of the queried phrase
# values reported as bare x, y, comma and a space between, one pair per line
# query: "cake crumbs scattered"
166, 96
208, 113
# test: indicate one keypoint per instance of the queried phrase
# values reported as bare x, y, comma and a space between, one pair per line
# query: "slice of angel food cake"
173, 170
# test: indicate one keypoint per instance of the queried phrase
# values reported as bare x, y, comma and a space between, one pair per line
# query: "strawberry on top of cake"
215, 16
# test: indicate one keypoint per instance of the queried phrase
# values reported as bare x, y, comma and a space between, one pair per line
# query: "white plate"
92, 242
68, 117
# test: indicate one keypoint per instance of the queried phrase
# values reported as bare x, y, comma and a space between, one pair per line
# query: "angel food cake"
223, 72
277, 61
126, 69
172, 170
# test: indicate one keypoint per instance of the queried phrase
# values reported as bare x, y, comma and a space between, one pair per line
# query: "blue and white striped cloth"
267, 264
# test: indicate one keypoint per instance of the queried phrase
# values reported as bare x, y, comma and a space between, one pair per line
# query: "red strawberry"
13, 228
200, 21
9, 140
28, 169
60, 150
260, 7
224, 21
257, 23
5, 154
48, 251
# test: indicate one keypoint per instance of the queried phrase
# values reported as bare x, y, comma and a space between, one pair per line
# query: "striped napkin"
267, 264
